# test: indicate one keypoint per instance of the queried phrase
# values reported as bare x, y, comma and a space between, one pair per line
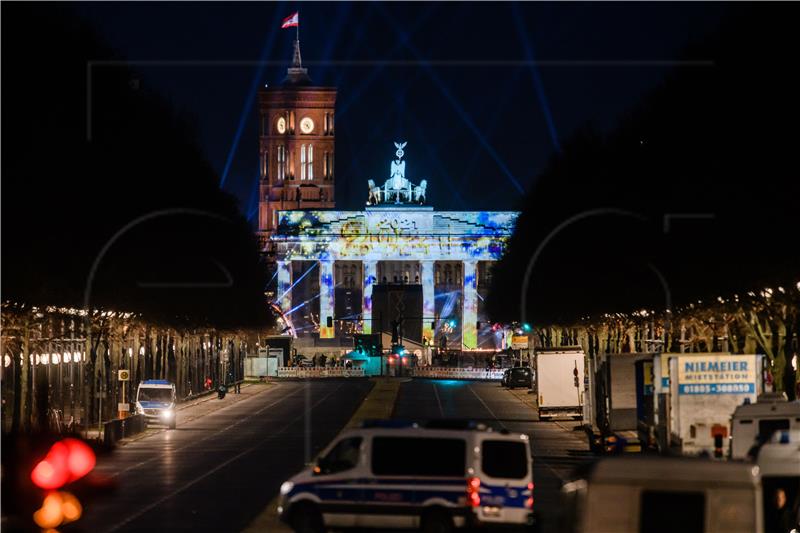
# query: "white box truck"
559, 381
704, 391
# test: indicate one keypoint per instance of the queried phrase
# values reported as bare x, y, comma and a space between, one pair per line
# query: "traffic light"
526, 327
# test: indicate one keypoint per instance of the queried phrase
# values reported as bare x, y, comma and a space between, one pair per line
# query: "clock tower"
296, 146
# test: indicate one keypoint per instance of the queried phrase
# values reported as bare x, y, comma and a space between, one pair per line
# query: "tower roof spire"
297, 62
296, 74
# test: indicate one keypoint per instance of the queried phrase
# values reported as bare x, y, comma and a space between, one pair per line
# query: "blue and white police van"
155, 399
436, 479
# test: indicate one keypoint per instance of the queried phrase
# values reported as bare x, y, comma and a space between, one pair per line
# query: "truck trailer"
560, 375
704, 391
613, 416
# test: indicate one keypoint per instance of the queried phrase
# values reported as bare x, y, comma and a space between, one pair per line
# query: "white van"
156, 399
752, 424
779, 464
659, 494
412, 477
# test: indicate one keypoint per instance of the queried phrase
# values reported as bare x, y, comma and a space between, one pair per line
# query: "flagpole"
298, 27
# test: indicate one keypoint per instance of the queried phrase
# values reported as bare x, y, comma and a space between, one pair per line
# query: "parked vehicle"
411, 477
634, 494
155, 399
519, 376
752, 424
704, 391
612, 420
559, 381
779, 465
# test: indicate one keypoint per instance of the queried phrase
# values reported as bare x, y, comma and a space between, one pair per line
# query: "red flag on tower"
292, 20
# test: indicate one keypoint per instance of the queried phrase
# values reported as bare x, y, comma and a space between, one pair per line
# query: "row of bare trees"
61, 365
767, 322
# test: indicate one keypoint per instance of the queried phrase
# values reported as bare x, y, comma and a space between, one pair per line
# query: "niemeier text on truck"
560, 381
704, 391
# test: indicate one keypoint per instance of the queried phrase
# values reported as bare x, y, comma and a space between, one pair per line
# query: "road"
217, 471
557, 449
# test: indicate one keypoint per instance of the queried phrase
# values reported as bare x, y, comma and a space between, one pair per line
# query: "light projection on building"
325, 298
369, 281
393, 227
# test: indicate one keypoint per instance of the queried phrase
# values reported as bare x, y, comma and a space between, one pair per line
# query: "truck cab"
155, 399
634, 494
752, 424
779, 464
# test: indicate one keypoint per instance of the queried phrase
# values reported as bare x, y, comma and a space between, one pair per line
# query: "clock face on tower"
281, 125
307, 125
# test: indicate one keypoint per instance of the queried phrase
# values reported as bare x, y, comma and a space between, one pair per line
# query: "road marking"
213, 470
539, 459
487, 407
227, 428
438, 400
379, 403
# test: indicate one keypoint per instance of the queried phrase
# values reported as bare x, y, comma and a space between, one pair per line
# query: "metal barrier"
456, 373
120, 428
321, 372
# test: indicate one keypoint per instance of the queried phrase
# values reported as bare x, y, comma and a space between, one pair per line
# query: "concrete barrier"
119, 428
313, 372
456, 373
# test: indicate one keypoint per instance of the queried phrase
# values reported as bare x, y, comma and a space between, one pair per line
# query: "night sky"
479, 130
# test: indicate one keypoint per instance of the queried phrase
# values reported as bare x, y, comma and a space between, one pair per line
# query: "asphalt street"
557, 449
217, 471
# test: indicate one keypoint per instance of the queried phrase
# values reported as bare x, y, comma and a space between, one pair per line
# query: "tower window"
281, 154
303, 162
310, 162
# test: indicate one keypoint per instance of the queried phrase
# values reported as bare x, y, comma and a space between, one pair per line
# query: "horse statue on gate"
397, 189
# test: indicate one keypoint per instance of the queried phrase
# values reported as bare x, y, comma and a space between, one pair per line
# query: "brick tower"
296, 146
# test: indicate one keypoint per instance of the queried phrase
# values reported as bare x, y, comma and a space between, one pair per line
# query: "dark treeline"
706, 167
124, 173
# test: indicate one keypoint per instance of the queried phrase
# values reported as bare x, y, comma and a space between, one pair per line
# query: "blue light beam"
538, 85
251, 96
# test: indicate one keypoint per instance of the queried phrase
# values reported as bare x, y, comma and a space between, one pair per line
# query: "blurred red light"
473, 494
67, 461
81, 458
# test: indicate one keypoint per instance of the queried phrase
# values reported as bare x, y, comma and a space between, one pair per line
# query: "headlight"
286, 488
167, 415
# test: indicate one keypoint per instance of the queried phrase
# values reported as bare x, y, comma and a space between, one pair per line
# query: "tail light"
473, 492
529, 501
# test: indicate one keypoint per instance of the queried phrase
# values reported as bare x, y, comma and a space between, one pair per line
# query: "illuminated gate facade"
448, 254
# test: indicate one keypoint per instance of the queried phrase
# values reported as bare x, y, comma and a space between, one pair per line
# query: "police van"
433, 478
156, 399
